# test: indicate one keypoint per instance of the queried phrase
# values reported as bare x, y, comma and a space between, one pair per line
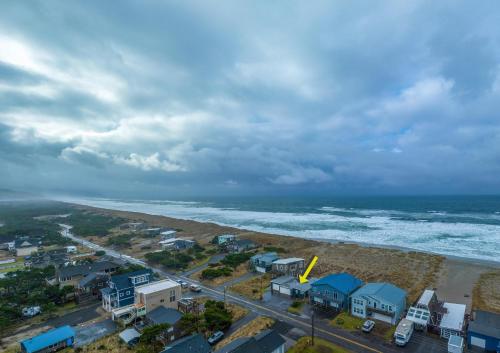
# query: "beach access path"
342, 338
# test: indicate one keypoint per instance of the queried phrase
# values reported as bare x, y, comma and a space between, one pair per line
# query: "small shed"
455, 344
130, 336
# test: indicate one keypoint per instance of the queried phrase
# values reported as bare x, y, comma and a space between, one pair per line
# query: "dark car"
216, 337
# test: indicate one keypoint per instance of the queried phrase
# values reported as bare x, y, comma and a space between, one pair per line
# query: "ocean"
461, 226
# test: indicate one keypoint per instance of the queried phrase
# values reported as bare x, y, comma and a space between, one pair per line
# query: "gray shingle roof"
191, 344
162, 315
85, 269
486, 323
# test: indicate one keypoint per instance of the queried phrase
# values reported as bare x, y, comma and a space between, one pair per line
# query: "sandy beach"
455, 279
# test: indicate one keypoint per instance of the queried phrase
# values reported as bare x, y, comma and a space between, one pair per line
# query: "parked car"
216, 337
368, 326
195, 288
183, 284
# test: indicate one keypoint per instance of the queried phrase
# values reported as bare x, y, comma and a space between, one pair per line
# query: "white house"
452, 322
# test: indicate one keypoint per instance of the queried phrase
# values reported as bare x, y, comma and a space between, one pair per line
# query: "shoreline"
469, 260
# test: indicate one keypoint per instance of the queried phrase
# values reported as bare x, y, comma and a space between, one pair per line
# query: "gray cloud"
156, 98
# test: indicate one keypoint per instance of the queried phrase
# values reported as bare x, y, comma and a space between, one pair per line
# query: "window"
162, 300
390, 308
172, 295
121, 295
334, 295
128, 292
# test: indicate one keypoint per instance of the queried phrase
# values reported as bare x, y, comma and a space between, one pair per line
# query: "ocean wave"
409, 230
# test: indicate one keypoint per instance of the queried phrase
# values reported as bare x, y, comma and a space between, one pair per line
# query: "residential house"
379, 301
71, 275
292, 266
152, 231
263, 262
89, 287
291, 287
24, 246
133, 226
333, 291
484, 331
437, 316
177, 243
225, 238
191, 344
163, 315
42, 259
190, 305
49, 341
71, 249
241, 245
120, 291
268, 341
168, 234
453, 321
161, 293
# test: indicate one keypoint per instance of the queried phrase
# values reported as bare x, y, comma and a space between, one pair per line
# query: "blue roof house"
49, 341
263, 262
379, 301
333, 291
484, 331
120, 291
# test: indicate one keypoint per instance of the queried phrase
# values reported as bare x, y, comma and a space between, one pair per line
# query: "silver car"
368, 326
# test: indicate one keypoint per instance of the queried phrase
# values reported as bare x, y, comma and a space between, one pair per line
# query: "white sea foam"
379, 227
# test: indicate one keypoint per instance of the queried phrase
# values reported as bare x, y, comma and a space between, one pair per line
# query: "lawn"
347, 322
303, 345
252, 288
296, 307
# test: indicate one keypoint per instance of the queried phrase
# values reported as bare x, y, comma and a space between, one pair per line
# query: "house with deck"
263, 262
292, 266
120, 290
71, 275
162, 315
225, 238
50, 341
241, 245
333, 291
379, 301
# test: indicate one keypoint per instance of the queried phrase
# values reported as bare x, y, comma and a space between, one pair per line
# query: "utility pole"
261, 287
312, 328
224, 297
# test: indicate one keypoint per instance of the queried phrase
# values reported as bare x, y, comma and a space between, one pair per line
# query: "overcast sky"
174, 98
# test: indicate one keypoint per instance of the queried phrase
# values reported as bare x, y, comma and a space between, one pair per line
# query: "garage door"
381, 317
260, 269
276, 287
284, 290
478, 342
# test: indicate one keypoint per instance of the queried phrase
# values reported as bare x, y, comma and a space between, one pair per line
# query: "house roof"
156, 286
454, 318
303, 287
129, 335
384, 291
245, 242
79, 270
343, 282
267, 257
287, 261
269, 340
123, 280
190, 344
283, 279
485, 323
265, 342
163, 315
48, 338
426, 297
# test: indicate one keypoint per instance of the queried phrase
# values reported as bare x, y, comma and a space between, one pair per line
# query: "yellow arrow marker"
303, 278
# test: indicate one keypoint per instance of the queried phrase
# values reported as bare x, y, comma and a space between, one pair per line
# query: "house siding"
329, 297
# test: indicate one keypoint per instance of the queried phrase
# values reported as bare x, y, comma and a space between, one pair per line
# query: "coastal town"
88, 280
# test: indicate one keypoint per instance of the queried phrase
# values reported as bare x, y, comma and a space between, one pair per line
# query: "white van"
403, 332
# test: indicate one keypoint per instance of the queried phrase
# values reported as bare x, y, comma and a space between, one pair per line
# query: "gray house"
380, 301
263, 262
292, 266
291, 287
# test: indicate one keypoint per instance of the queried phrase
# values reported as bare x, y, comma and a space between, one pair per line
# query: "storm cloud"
156, 98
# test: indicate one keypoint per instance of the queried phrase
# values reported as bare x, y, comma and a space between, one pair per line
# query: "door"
478, 342
381, 317
284, 290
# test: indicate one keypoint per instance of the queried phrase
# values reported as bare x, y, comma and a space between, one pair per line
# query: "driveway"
86, 334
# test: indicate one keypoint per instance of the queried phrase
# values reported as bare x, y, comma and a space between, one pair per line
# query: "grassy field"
347, 322
238, 312
486, 293
251, 329
303, 345
238, 272
252, 288
296, 307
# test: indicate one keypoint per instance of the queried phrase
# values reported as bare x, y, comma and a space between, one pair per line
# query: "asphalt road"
419, 343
